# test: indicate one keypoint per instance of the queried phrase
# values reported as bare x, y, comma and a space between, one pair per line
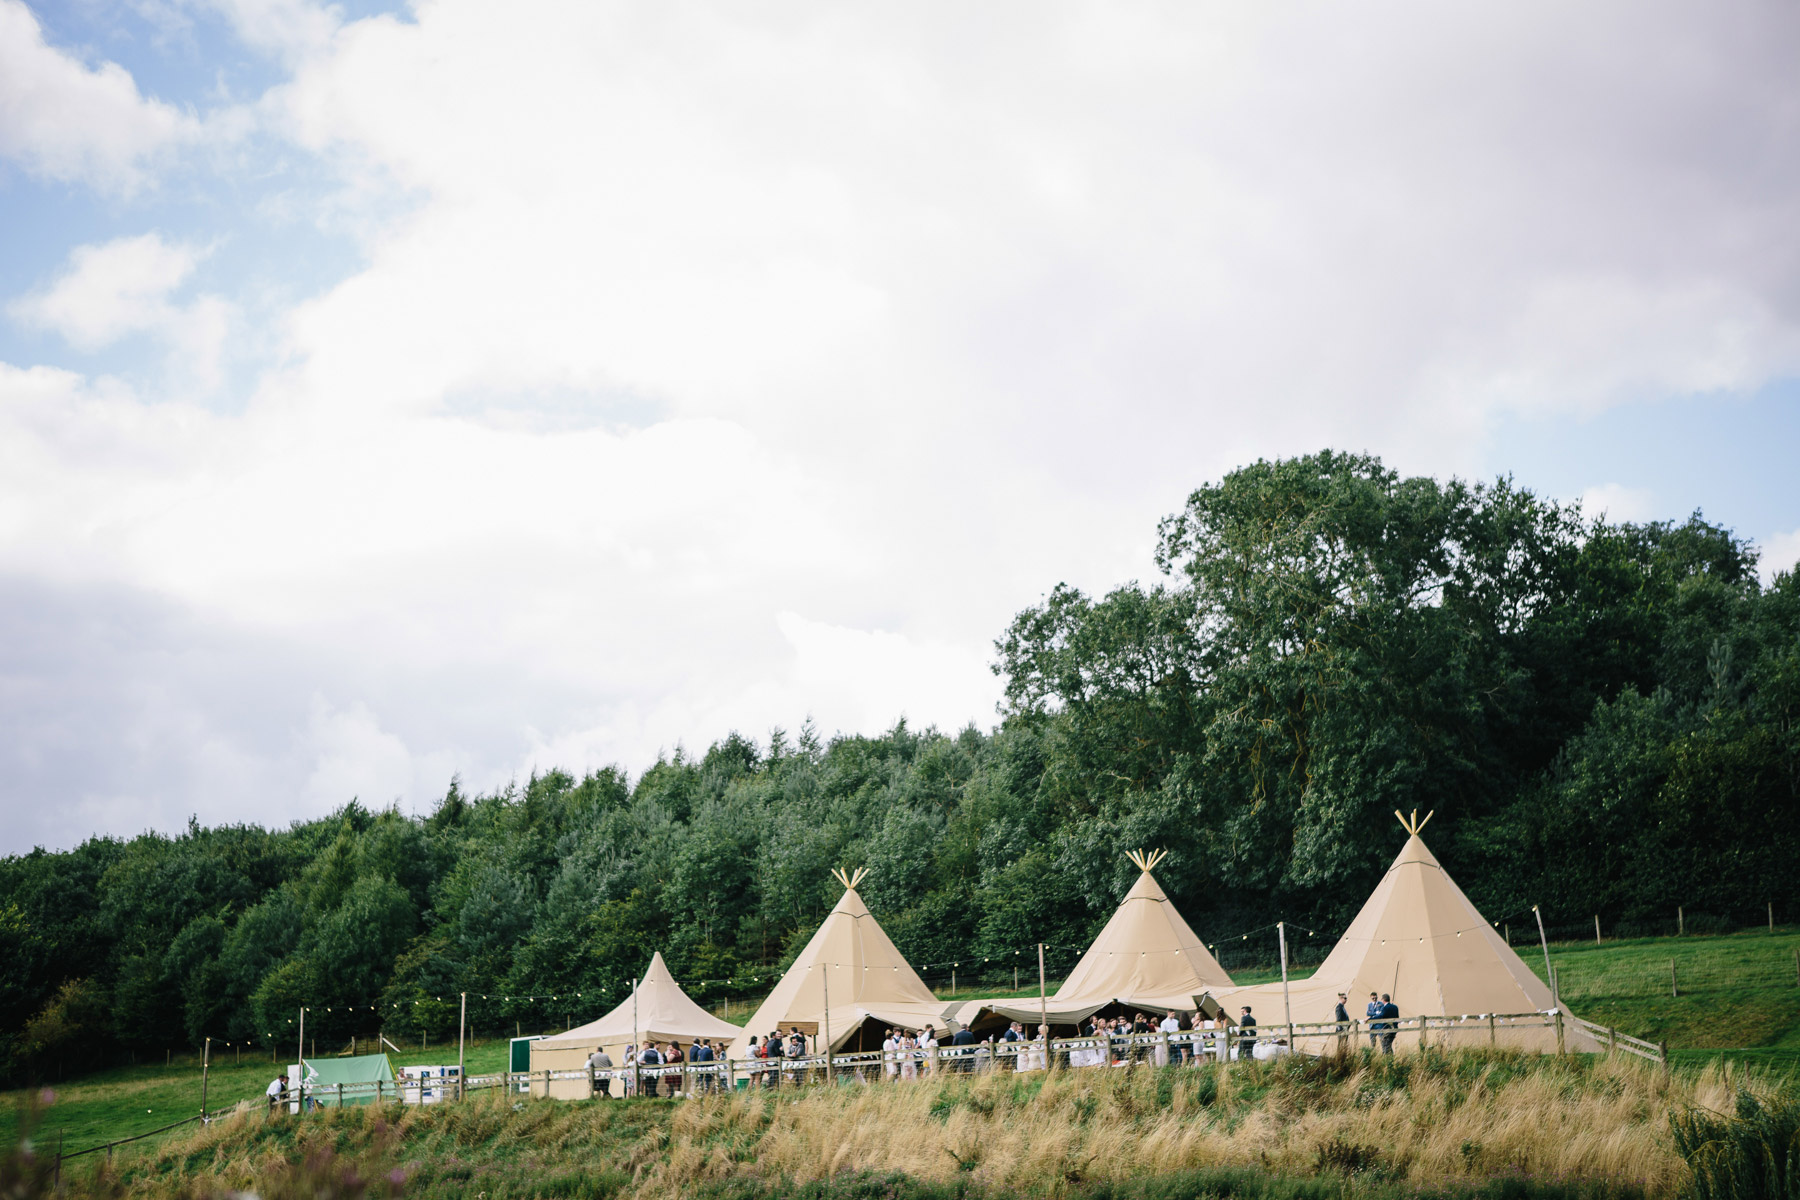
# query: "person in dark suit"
702, 1053
1246, 1035
1373, 1014
964, 1042
1341, 1015
1390, 1016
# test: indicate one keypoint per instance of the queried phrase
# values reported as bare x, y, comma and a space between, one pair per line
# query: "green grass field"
1740, 998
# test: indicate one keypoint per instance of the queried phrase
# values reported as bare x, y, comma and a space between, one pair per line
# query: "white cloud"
123, 287
66, 121
290, 28
353, 756
674, 323
1781, 552
1616, 502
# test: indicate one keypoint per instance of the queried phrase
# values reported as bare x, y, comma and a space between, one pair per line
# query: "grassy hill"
1472, 1125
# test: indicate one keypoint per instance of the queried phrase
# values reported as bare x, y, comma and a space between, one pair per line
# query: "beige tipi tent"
1145, 958
656, 1011
1420, 940
848, 975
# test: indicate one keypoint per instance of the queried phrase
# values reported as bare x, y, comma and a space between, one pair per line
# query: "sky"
390, 393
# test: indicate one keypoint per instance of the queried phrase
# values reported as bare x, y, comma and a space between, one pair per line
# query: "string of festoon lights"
1003, 958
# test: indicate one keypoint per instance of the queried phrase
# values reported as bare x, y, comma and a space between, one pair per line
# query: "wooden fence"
1223, 1045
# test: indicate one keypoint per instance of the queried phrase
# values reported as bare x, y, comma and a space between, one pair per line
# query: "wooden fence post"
1559, 1031
1674, 981
546, 1083
1596, 929
1162, 1037
1612, 1042
1492, 1039
1664, 1046
1424, 1027
1680, 921
340, 1088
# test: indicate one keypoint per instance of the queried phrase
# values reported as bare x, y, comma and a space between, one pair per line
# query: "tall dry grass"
1427, 1119
1463, 1117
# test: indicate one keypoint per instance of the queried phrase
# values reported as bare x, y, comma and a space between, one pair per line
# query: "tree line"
1604, 716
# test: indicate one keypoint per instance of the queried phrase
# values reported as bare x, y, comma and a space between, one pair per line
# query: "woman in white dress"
909, 1061
890, 1055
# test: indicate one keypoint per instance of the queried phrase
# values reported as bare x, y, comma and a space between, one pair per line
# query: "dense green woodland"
1605, 718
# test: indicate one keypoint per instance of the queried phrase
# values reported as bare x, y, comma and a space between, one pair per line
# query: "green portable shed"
358, 1075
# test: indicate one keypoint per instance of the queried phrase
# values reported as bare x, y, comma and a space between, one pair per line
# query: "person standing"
928, 1043
599, 1061
1373, 1013
963, 1046
1390, 1023
276, 1091
702, 1056
1341, 1014
1171, 1024
649, 1057
1246, 1035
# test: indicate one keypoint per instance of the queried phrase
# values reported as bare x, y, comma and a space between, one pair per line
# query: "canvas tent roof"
324, 1074
1419, 939
1146, 957
850, 958
664, 1013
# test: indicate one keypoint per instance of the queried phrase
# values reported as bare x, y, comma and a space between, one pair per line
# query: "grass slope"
1472, 1123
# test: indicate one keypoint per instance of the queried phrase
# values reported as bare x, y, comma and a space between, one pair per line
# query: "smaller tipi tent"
1146, 957
1420, 940
850, 975
656, 1011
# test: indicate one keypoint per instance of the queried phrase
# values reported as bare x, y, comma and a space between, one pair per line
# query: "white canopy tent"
657, 1010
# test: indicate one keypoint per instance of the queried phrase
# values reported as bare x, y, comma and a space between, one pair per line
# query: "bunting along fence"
1223, 1045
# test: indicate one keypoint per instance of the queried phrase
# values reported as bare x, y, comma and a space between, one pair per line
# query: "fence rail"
1223, 1045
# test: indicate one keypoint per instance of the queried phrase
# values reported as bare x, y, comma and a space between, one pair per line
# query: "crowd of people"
1122, 1040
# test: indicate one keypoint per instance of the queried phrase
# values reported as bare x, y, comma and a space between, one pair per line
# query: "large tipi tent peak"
1146, 957
849, 878
848, 976
1146, 862
1419, 939
1414, 825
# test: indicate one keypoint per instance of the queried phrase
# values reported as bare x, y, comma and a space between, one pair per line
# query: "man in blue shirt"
1373, 1013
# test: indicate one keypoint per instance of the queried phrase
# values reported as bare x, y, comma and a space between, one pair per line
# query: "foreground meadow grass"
1462, 1123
